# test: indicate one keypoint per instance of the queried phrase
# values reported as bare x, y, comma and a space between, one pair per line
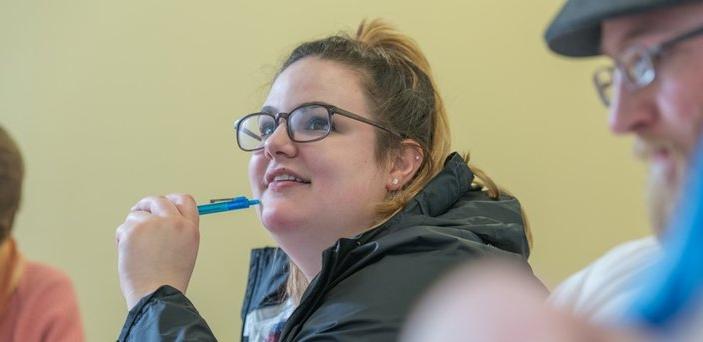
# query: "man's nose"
631, 109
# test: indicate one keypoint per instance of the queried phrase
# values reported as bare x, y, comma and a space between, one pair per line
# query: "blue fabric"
677, 281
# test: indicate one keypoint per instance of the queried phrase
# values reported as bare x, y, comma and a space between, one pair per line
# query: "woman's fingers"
185, 204
157, 205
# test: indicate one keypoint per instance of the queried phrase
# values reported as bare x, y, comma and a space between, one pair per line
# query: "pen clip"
233, 199
217, 200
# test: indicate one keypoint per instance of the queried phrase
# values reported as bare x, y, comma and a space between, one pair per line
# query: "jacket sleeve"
165, 315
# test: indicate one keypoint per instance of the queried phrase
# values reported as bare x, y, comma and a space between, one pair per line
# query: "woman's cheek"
257, 169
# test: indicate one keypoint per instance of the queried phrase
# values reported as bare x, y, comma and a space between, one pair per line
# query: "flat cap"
576, 30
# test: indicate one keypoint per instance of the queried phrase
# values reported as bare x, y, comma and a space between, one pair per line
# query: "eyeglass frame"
650, 55
331, 111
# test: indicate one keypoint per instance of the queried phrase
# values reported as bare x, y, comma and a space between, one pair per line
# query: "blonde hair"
398, 80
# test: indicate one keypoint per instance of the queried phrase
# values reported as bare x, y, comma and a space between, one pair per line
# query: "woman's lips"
279, 185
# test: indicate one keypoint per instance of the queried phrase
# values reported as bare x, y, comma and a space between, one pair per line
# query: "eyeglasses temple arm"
363, 119
682, 37
250, 133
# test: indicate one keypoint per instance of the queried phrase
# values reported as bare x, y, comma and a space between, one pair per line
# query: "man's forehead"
620, 33
646, 28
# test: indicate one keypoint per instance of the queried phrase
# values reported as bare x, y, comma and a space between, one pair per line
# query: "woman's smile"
282, 178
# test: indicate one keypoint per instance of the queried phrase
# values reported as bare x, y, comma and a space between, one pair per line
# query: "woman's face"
325, 189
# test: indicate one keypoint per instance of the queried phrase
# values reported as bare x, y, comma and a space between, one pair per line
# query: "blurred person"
494, 301
497, 301
350, 158
654, 91
37, 302
639, 290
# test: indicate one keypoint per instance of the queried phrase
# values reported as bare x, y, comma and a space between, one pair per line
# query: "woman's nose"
279, 144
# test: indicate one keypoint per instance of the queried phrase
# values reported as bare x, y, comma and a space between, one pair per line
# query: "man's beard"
664, 185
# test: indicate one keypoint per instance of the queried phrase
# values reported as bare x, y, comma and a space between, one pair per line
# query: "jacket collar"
444, 189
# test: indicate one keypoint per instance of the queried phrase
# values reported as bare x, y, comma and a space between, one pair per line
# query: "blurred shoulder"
45, 280
41, 272
601, 289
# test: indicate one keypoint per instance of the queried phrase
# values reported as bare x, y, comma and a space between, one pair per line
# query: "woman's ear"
404, 164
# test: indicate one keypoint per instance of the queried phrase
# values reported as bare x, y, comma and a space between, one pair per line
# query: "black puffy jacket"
367, 284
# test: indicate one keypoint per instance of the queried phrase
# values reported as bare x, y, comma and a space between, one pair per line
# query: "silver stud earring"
395, 181
417, 157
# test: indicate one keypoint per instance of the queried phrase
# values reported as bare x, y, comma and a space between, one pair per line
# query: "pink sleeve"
51, 308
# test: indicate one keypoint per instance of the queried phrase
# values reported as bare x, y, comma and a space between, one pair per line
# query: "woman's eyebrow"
269, 109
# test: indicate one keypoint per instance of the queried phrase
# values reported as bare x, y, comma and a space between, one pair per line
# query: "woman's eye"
267, 129
317, 124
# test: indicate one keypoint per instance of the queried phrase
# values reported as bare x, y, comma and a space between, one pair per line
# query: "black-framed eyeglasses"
637, 65
306, 123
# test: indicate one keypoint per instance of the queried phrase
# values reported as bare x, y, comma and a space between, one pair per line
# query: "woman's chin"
280, 220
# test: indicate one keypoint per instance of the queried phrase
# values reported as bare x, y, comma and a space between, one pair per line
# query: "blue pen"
240, 202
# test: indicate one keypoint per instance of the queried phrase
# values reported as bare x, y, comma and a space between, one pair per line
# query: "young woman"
350, 158
37, 302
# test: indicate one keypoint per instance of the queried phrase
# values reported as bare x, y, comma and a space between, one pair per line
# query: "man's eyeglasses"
637, 65
306, 123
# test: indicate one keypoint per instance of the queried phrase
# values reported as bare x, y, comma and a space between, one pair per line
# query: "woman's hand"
157, 245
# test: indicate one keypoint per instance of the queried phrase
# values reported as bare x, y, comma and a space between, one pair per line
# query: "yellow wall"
114, 100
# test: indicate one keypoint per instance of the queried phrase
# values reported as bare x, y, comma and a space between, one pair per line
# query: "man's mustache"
644, 148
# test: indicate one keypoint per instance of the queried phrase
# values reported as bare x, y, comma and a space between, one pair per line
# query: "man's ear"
404, 164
